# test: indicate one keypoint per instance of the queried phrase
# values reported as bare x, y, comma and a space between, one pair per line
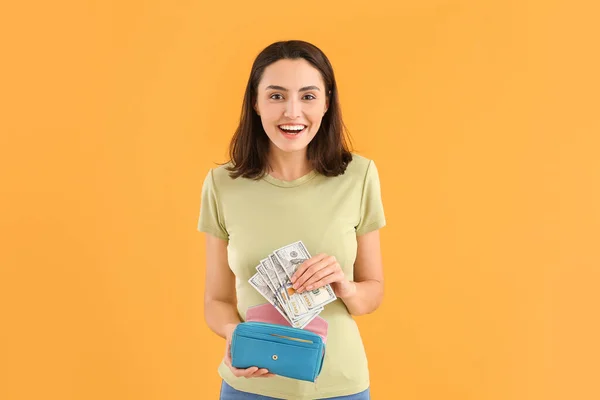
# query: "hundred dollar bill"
292, 305
278, 268
319, 297
258, 283
307, 319
294, 301
285, 290
304, 320
273, 281
261, 286
269, 276
285, 279
290, 257
271, 263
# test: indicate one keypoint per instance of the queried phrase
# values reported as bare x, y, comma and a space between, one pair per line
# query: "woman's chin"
290, 147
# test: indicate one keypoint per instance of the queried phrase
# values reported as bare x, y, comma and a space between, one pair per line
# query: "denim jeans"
229, 393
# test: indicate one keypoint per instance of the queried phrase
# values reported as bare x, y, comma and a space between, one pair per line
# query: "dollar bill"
272, 263
285, 290
273, 281
318, 297
290, 257
258, 282
306, 319
269, 276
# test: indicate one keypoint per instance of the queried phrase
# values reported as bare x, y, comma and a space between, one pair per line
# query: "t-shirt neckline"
296, 182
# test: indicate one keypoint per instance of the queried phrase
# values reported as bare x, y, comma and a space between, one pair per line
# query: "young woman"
291, 177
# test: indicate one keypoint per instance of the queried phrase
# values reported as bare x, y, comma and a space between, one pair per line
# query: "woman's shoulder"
360, 161
358, 166
219, 174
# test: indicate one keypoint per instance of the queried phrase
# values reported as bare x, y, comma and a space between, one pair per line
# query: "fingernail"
309, 287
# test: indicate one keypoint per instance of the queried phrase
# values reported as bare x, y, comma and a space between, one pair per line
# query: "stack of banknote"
272, 280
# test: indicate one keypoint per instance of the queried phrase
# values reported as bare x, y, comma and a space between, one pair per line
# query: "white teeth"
292, 127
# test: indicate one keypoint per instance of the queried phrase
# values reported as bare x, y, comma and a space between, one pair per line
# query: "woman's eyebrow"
304, 89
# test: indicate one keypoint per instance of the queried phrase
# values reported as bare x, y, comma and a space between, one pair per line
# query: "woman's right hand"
251, 372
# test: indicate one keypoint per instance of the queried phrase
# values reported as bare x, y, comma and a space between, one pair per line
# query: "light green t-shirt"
327, 214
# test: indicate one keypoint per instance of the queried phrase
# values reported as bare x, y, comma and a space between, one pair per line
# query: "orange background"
483, 118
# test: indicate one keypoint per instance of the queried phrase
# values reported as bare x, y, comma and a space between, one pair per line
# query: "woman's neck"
288, 166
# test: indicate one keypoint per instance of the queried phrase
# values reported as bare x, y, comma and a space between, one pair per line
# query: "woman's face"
291, 101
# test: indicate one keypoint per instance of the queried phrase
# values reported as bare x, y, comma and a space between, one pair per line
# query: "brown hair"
328, 152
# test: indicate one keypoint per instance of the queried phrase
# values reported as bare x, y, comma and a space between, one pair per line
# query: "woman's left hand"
319, 271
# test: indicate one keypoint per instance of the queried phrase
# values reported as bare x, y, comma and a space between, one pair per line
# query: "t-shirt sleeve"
371, 207
211, 214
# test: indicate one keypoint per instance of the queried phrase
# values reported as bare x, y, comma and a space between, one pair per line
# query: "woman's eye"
277, 96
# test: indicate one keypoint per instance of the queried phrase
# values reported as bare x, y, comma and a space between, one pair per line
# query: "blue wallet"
283, 350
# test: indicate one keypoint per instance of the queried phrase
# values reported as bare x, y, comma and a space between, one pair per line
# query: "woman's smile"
292, 131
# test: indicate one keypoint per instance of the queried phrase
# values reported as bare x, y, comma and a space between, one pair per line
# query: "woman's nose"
292, 108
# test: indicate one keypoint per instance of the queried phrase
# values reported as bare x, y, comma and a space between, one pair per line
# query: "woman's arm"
220, 310
368, 276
